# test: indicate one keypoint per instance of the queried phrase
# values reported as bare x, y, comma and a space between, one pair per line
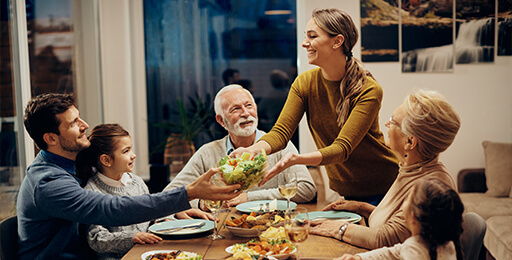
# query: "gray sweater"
114, 242
209, 155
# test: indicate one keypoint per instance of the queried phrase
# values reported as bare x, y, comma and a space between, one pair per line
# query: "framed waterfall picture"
427, 36
504, 27
379, 30
475, 26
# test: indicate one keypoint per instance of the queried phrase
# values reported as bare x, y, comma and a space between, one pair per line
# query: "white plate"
250, 206
145, 255
180, 223
335, 215
229, 249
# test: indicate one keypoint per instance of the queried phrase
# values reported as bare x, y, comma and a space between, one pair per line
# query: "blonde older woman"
421, 128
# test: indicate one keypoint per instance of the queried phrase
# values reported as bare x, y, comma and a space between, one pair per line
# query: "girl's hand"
348, 257
145, 238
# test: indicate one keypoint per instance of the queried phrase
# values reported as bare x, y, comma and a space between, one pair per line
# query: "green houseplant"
197, 118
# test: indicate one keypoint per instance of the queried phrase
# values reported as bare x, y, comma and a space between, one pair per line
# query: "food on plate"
244, 170
273, 233
257, 220
262, 248
175, 255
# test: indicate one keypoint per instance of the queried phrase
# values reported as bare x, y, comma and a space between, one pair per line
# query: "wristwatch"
342, 230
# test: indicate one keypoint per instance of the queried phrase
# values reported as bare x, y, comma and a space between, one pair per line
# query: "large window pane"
190, 43
50, 47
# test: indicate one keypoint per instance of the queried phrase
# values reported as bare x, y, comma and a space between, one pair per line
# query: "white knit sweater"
114, 242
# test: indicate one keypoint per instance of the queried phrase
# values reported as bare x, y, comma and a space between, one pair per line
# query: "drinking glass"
296, 226
288, 186
214, 206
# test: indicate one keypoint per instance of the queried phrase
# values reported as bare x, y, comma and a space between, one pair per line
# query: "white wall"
481, 93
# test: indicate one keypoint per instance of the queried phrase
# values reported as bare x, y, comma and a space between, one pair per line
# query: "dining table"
313, 248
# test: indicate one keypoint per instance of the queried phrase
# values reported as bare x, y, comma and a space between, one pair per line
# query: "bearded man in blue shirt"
51, 203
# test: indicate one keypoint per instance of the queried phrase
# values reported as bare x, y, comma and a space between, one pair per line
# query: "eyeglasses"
391, 121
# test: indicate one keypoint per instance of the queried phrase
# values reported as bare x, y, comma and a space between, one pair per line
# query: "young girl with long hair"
434, 216
106, 167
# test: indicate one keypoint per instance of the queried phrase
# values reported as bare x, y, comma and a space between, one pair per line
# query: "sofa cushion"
498, 238
498, 168
485, 205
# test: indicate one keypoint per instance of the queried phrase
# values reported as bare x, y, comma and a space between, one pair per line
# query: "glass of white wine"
288, 186
214, 206
296, 226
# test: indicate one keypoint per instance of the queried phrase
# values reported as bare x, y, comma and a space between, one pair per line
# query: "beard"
236, 129
74, 145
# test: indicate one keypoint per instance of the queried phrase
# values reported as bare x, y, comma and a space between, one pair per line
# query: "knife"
176, 229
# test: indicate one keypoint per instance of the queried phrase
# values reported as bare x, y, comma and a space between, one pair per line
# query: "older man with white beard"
236, 111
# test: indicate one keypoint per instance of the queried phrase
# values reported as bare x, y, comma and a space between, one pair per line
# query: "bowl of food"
244, 170
251, 225
170, 255
278, 249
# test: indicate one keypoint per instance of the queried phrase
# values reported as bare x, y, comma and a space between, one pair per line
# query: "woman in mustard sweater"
341, 101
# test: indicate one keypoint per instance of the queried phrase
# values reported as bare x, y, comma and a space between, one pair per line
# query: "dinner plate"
251, 206
145, 255
341, 215
230, 250
180, 223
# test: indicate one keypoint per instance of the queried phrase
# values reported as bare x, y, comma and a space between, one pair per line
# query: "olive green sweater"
356, 158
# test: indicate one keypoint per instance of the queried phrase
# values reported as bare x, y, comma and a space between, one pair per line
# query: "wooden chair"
9, 239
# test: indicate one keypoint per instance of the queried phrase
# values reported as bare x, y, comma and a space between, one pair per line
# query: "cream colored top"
386, 224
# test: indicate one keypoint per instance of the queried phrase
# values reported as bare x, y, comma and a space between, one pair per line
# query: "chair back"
472, 235
9, 239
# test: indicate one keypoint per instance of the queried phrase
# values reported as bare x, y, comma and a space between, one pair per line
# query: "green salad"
244, 170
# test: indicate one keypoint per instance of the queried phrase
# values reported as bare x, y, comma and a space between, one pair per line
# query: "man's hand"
145, 238
194, 213
238, 200
203, 188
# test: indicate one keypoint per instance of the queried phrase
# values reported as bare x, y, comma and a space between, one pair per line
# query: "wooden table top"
315, 247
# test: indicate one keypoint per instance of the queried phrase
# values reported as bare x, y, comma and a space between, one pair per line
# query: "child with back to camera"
434, 216
106, 168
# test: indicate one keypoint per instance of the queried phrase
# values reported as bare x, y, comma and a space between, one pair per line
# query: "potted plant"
198, 118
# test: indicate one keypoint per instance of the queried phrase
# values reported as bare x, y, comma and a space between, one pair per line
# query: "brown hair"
103, 140
336, 22
430, 118
438, 209
41, 115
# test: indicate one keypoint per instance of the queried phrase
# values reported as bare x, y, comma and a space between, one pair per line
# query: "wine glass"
288, 186
214, 206
296, 226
